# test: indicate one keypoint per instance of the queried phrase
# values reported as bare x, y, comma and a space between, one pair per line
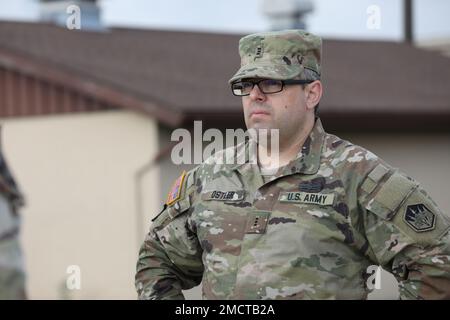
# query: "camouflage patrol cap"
279, 55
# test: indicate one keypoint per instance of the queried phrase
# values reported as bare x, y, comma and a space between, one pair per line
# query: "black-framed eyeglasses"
267, 86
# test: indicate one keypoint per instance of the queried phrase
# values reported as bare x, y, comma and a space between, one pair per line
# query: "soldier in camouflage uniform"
308, 230
12, 276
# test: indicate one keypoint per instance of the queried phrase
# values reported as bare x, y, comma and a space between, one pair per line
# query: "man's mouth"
259, 112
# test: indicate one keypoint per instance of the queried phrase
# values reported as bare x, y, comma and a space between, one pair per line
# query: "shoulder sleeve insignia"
419, 217
175, 192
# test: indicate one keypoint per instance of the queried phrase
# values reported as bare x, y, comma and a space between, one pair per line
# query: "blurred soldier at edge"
12, 274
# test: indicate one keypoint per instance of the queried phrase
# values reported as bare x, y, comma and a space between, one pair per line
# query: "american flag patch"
175, 192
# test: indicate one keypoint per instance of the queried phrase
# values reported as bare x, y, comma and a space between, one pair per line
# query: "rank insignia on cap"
259, 52
419, 217
175, 193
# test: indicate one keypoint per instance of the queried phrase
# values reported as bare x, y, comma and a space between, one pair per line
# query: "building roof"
179, 76
441, 45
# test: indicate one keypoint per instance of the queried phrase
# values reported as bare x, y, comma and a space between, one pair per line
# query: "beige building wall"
78, 175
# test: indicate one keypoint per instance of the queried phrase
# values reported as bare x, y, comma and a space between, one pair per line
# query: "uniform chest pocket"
310, 224
220, 216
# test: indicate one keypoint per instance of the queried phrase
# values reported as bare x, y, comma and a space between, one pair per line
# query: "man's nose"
256, 94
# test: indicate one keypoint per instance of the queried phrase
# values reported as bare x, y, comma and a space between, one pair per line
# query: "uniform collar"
308, 158
306, 162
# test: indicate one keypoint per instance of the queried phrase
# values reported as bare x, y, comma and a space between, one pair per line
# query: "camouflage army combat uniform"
310, 231
12, 276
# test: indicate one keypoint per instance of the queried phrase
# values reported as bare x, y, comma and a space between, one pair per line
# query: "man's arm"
170, 259
408, 233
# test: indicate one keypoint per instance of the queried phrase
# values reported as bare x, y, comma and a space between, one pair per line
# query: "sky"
330, 18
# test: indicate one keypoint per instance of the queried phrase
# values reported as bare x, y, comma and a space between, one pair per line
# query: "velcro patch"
175, 193
307, 197
315, 185
224, 195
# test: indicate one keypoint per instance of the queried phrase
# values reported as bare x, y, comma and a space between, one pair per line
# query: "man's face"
286, 110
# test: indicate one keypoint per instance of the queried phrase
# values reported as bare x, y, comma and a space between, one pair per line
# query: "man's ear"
313, 94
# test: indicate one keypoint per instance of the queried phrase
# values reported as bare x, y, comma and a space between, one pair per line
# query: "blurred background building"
87, 117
